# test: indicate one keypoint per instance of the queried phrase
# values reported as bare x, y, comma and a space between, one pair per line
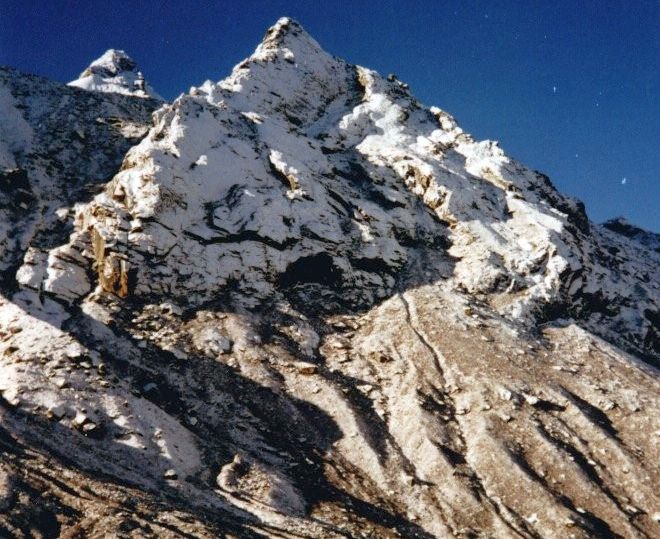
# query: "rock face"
306, 305
115, 72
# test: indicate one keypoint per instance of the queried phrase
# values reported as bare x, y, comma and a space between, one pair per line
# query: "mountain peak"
288, 36
283, 28
300, 148
115, 72
288, 75
111, 63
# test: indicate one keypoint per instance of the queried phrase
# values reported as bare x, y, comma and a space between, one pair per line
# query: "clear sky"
571, 88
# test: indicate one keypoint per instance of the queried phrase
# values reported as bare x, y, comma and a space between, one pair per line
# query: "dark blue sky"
568, 88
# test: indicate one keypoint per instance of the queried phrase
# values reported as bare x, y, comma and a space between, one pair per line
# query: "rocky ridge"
307, 305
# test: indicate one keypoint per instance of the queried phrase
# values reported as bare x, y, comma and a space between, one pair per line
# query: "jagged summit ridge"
115, 71
299, 155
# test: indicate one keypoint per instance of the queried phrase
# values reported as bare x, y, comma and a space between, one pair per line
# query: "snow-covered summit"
302, 168
287, 33
116, 72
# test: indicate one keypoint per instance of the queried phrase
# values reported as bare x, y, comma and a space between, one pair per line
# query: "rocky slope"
305, 305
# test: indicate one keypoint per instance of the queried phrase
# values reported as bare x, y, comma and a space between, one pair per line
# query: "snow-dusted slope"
305, 305
115, 72
58, 145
